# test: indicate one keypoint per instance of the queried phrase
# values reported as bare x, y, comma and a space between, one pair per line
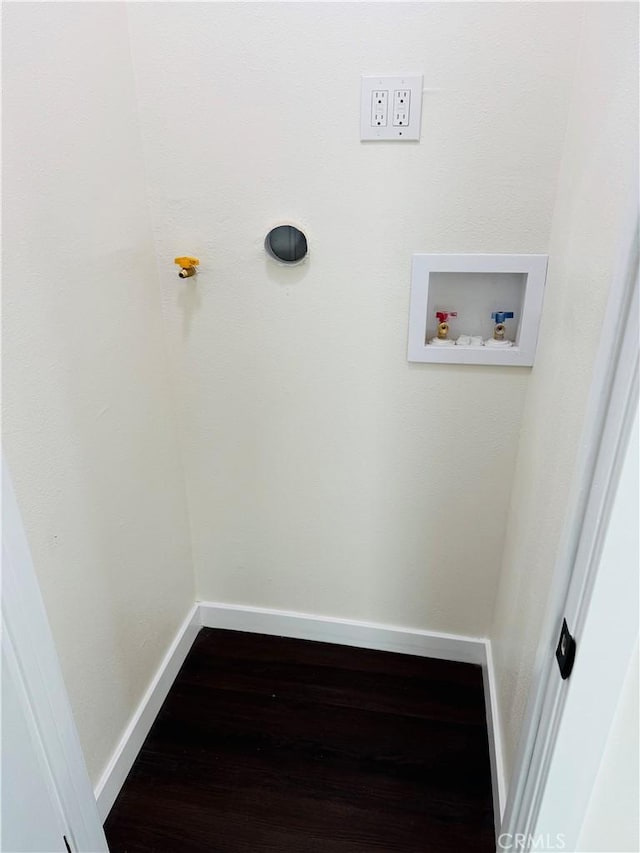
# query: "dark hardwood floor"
267, 744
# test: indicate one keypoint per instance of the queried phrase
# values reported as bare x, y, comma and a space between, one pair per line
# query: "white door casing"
32, 818
609, 422
38, 697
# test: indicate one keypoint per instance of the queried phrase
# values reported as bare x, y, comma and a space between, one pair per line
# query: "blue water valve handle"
501, 316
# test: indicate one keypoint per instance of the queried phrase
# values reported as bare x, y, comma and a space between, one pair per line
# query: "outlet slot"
401, 105
379, 108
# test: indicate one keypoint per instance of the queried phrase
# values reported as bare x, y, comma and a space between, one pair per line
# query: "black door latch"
566, 651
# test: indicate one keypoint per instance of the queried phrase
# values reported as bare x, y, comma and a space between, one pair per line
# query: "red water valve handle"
443, 316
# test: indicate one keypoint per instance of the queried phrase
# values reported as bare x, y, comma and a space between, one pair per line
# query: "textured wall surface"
597, 183
88, 426
325, 473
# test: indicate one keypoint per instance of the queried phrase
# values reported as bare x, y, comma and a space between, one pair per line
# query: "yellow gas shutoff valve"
187, 265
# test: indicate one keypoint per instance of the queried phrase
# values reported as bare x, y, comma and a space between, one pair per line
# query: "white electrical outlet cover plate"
370, 130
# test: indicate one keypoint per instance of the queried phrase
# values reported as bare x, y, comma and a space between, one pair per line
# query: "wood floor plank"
271, 744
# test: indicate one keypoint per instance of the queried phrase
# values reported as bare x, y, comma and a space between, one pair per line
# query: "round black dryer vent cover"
286, 244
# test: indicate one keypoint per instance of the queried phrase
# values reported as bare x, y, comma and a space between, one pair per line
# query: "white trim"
25, 624
344, 632
613, 613
609, 416
125, 753
13, 682
387, 638
522, 353
494, 732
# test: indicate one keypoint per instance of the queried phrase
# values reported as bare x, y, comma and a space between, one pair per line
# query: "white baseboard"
131, 741
302, 626
494, 731
344, 632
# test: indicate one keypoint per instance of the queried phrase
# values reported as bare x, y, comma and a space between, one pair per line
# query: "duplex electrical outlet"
379, 108
391, 108
401, 103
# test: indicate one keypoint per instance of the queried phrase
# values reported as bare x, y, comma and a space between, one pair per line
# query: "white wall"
596, 185
88, 421
325, 473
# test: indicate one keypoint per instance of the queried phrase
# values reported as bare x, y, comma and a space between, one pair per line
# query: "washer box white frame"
534, 267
